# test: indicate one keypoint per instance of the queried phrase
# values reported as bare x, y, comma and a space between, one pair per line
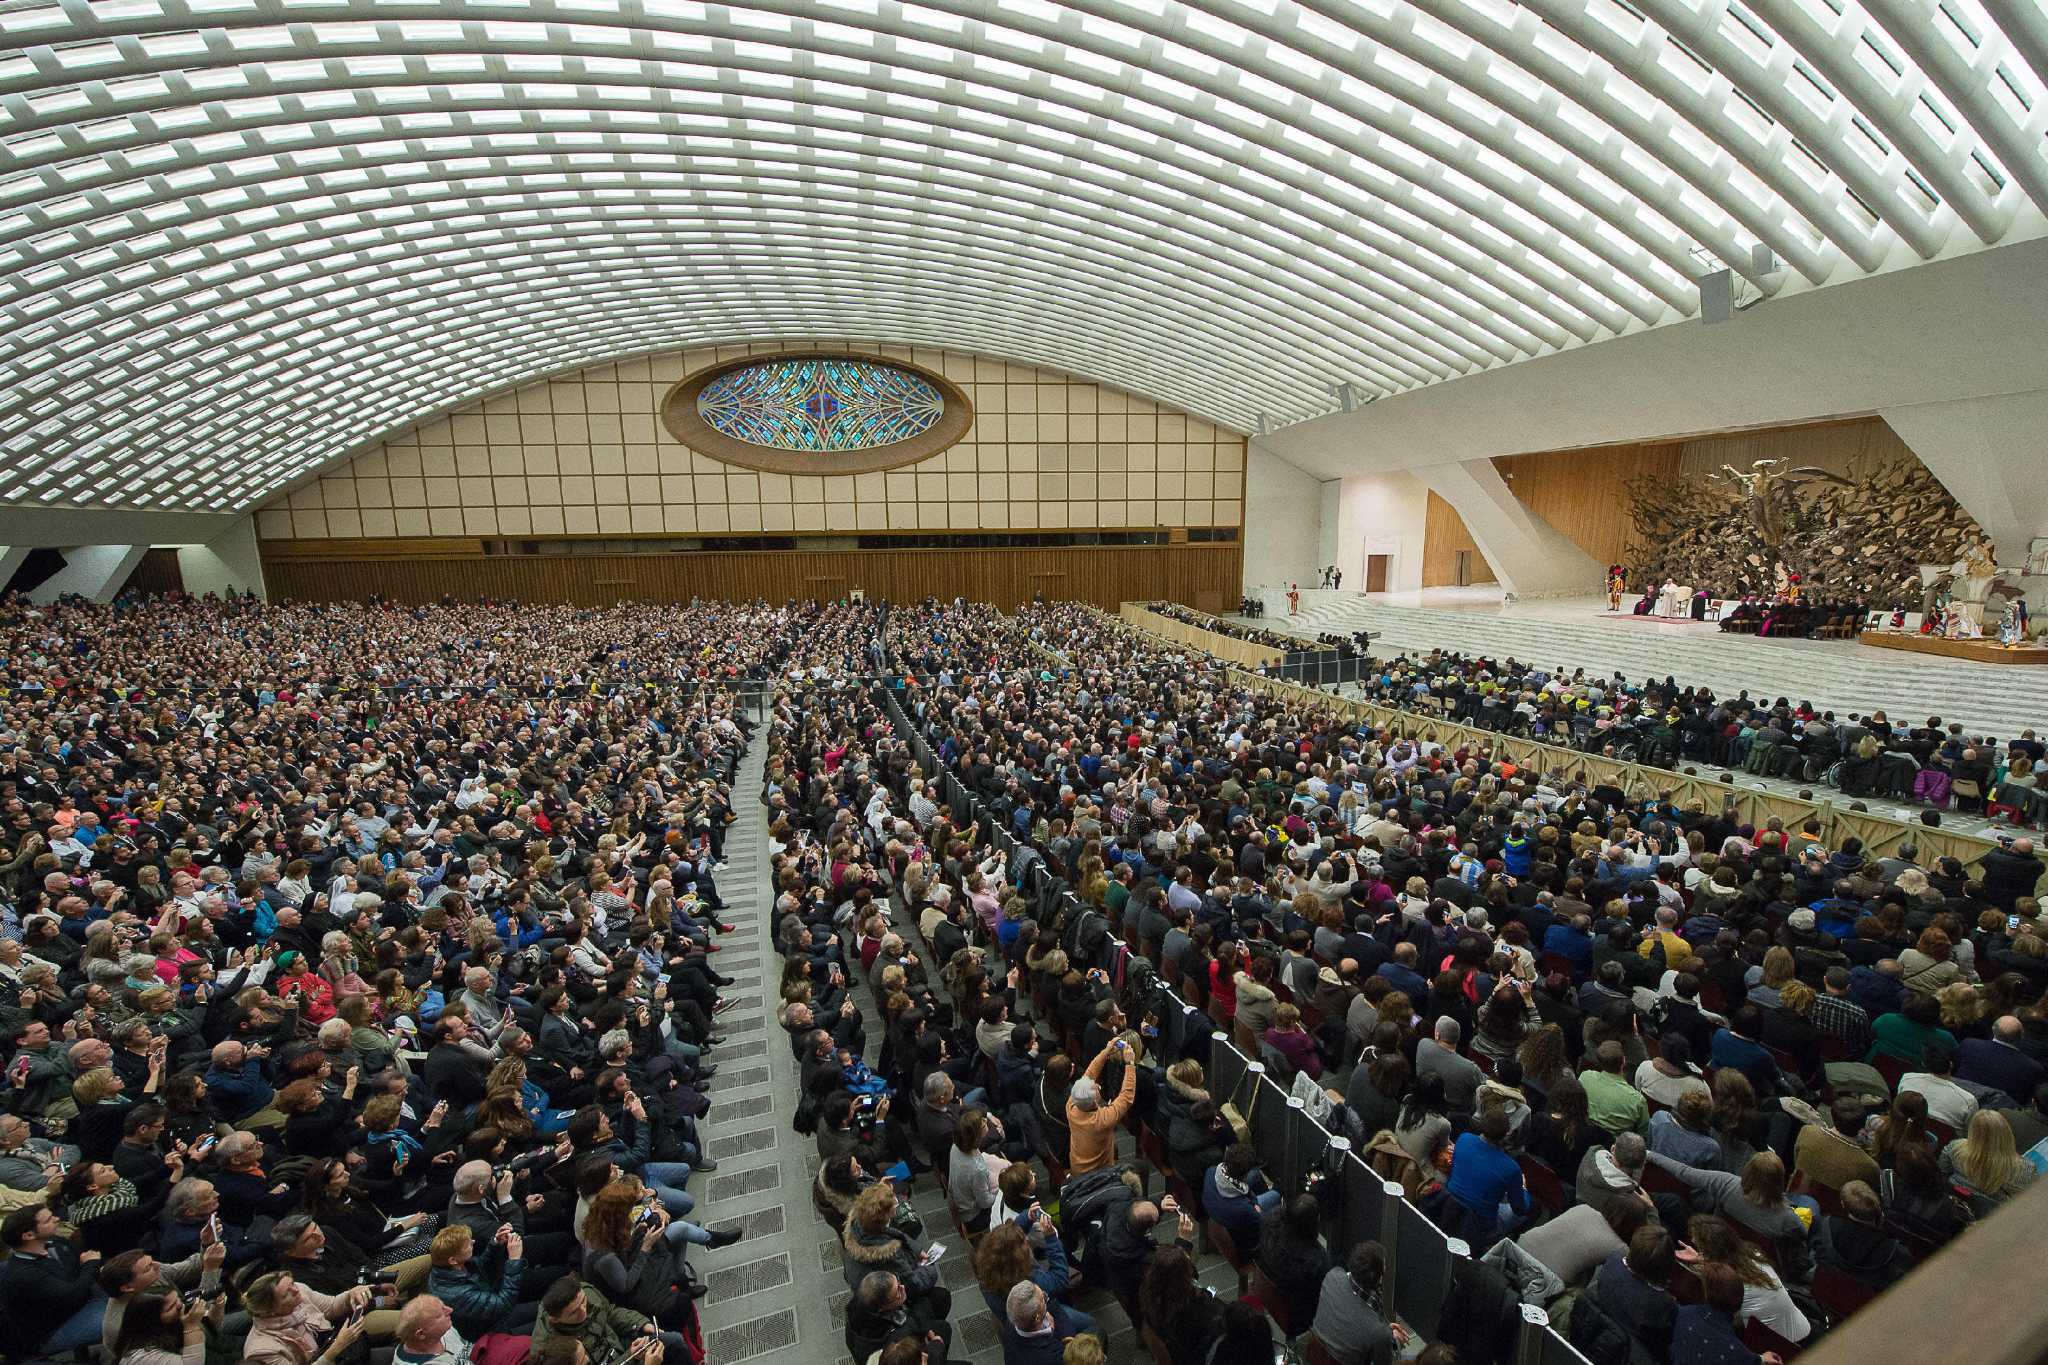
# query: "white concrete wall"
90, 571
1382, 514
1967, 327
1282, 508
228, 564
1329, 516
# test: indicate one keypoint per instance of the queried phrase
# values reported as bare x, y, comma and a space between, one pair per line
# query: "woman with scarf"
401, 1169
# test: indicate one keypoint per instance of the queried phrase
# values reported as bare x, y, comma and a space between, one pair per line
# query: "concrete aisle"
778, 1296
762, 1301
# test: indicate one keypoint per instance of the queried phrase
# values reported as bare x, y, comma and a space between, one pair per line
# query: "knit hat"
1802, 920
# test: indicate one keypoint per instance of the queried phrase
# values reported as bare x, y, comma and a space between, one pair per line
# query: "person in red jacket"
299, 981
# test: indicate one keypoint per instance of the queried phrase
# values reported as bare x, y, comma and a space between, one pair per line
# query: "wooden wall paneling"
1229, 648
1847, 448
1443, 535
1581, 492
1195, 574
157, 571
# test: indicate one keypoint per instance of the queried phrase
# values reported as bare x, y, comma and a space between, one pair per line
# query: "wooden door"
1376, 573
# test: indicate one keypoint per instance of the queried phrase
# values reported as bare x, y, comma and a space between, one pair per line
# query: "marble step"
1838, 675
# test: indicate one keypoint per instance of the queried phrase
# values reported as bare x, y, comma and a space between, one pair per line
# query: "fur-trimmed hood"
1188, 1094
840, 1204
873, 1249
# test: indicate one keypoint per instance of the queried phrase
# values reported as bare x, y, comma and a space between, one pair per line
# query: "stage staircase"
1837, 675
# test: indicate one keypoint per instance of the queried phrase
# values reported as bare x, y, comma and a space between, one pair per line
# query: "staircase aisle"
778, 1296
766, 1298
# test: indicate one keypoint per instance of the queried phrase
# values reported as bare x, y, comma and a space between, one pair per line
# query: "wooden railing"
1228, 648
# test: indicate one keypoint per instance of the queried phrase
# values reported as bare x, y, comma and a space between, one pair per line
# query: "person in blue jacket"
1518, 852
1487, 1182
1236, 1193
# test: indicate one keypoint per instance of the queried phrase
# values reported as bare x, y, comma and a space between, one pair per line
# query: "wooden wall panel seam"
1205, 576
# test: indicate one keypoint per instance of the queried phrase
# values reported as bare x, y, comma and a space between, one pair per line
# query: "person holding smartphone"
1091, 1119
289, 1320
167, 1330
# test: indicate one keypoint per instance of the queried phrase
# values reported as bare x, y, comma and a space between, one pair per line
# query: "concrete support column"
10, 560
229, 563
1530, 556
91, 571
1992, 454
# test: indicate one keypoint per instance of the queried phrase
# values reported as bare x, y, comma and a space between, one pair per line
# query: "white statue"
1973, 580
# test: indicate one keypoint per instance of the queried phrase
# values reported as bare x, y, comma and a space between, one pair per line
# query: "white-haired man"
1091, 1120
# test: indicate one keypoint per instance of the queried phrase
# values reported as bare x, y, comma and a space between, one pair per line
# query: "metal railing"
1421, 1261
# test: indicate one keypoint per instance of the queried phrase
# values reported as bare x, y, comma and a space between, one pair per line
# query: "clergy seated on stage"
1744, 619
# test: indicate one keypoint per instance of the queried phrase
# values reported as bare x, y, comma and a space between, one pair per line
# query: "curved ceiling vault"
239, 238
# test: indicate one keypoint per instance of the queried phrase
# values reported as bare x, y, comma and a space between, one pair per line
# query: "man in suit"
457, 1067
1401, 971
1998, 1062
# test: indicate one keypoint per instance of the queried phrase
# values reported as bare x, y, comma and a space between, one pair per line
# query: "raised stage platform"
1978, 651
1986, 697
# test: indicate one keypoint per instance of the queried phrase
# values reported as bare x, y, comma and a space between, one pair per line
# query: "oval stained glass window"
813, 403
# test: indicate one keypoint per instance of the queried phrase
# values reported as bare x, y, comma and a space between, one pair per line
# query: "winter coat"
605, 1334
892, 1249
480, 1294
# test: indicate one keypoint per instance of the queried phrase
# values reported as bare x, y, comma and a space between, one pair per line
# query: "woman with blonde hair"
1962, 1009
102, 1107
1778, 969
873, 1239
1986, 1160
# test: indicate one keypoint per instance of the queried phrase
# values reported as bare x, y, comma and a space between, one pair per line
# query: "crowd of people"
1666, 723
1684, 1076
363, 994
361, 990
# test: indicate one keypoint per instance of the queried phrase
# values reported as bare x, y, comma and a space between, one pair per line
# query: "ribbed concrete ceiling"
239, 238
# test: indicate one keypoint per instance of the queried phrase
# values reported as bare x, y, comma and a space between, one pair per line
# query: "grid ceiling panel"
241, 238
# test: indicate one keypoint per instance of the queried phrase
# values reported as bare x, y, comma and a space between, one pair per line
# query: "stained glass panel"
813, 403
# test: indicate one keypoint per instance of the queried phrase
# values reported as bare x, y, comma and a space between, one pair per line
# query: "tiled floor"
778, 1297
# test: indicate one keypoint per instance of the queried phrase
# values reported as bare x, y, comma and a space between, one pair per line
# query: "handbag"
1233, 1113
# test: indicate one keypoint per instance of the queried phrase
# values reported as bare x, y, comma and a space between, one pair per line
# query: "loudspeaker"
1717, 296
